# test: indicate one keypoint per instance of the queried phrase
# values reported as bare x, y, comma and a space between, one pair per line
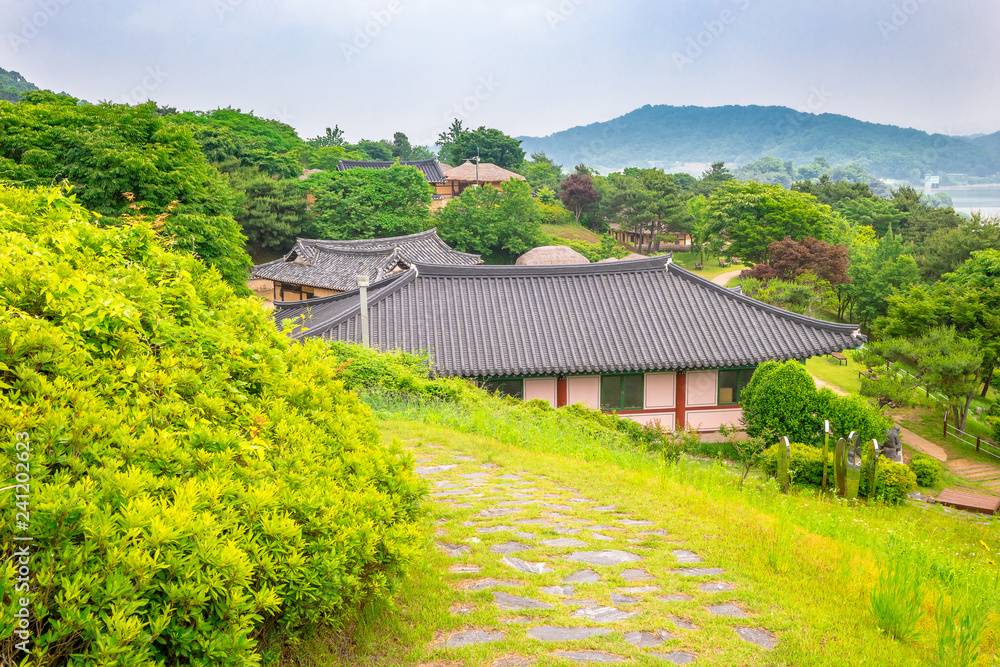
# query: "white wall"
543, 388
711, 420
702, 388
586, 390
661, 390
666, 419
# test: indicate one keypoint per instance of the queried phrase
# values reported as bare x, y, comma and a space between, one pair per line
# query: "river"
985, 199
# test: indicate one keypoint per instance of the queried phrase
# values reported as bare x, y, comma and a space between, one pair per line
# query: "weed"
896, 599
960, 621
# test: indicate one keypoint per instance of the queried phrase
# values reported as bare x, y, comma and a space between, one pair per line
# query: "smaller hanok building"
317, 268
644, 338
466, 175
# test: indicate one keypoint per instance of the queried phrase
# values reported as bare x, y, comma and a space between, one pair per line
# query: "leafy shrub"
781, 398
553, 213
205, 490
595, 252
926, 470
893, 481
805, 466
852, 413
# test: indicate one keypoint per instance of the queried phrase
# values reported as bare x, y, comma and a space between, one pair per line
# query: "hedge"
927, 470
202, 491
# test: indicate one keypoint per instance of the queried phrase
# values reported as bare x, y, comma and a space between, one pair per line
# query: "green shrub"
592, 251
893, 482
781, 399
927, 470
852, 413
806, 464
205, 490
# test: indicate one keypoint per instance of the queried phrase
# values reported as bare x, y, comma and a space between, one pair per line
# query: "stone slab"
617, 598
509, 602
475, 475
588, 656
493, 512
685, 556
698, 571
674, 598
432, 470
557, 590
563, 542
462, 458
473, 637
525, 566
487, 584
453, 550
560, 508
510, 547
603, 538
634, 522
727, 609
676, 657
601, 526
682, 624
574, 602
757, 636
642, 639
717, 587
464, 569
587, 576
634, 590
532, 522
564, 530
636, 575
603, 614
508, 476
452, 492
604, 557
490, 466
548, 633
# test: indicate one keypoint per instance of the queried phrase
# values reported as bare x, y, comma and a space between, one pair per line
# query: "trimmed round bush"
927, 470
781, 400
202, 490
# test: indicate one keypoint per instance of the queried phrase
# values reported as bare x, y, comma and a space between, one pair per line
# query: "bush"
781, 399
204, 489
852, 413
805, 466
926, 470
894, 480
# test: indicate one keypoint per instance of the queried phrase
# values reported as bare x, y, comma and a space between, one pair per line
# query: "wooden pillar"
562, 392
680, 400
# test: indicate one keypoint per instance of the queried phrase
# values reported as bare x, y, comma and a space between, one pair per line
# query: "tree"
944, 250
487, 221
541, 173
944, 361
375, 150
270, 212
753, 215
648, 202
717, 173
577, 193
108, 150
334, 137
877, 268
369, 203
790, 259
490, 145
401, 146
447, 138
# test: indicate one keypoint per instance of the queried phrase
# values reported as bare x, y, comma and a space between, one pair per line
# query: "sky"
528, 68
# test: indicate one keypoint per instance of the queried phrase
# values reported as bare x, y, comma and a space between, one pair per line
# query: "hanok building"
431, 169
467, 174
314, 269
644, 337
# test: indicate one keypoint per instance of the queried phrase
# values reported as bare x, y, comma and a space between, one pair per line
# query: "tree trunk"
964, 414
989, 378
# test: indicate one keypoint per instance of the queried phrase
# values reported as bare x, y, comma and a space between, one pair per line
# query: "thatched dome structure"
488, 173
551, 254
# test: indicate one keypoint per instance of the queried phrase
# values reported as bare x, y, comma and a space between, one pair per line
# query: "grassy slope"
572, 233
804, 565
712, 268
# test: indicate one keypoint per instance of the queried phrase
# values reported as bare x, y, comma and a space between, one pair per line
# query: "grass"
712, 268
804, 565
834, 372
572, 232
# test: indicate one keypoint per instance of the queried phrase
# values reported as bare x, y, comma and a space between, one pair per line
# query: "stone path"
540, 569
724, 278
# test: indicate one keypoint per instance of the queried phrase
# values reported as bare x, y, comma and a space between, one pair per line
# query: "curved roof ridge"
594, 268
377, 292
733, 294
387, 239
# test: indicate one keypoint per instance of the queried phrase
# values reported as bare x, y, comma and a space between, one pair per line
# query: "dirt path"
724, 278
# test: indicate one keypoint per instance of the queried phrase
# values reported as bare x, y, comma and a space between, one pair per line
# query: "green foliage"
926, 470
204, 489
754, 215
781, 399
369, 203
892, 481
645, 201
877, 269
106, 151
485, 220
592, 251
960, 621
271, 213
852, 413
13, 85
542, 173
366, 370
806, 465
328, 157
895, 600
491, 145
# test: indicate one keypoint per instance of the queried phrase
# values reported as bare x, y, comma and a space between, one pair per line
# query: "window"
505, 387
621, 392
731, 383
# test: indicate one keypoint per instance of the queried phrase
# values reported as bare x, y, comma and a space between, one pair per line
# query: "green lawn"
712, 268
572, 232
834, 372
803, 566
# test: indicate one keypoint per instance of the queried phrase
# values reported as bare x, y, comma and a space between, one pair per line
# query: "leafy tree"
754, 215
375, 150
703, 235
541, 172
334, 137
402, 149
270, 212
790, 259
875, 212
717, 173
106, 151
327, 158
486, 220
369, 203
944, 361
919, 219
577, 193
491, 145
944, 250
878, 267
648, 202
831, 192
448, 138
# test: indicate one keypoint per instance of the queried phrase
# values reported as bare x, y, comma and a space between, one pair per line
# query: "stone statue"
892, 449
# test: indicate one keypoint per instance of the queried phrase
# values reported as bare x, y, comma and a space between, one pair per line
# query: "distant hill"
662, 136
12, 85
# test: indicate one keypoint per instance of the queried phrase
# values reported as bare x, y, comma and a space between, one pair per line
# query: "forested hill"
12, 85
663, 135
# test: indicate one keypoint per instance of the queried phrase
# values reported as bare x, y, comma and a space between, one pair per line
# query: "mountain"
12, 85
662, 136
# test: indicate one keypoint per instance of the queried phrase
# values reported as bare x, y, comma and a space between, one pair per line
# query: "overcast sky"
527, 68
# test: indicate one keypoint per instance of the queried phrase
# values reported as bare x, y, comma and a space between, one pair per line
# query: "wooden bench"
972, 502
841, 359
722, 263
698, 266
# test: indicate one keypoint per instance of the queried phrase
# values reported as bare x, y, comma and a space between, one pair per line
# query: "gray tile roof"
632, 315
335, 265
431, 169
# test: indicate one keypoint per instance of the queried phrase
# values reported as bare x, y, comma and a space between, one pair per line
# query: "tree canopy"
486, 221
491, 145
